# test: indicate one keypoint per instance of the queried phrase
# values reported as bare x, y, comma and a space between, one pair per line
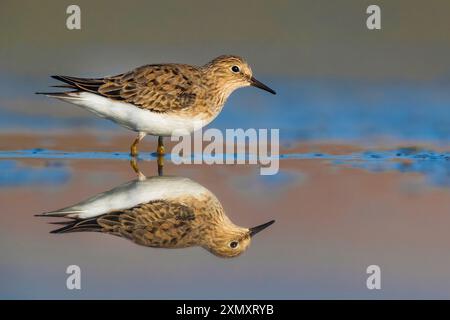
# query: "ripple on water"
435, 166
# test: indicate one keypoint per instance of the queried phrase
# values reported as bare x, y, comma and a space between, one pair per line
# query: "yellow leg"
135, 167
160, 151
134, 150
160, 165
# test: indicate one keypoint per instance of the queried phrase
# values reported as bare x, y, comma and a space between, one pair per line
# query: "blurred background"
364, 123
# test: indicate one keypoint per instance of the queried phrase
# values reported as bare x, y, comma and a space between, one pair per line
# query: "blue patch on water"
344, 110
282, 178
14, 175
39, 153
303, 110
434, 165
435, 172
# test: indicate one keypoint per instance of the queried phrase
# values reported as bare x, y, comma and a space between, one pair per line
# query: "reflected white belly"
133, 193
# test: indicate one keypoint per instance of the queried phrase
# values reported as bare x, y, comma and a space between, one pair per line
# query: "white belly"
133, 193
134, 118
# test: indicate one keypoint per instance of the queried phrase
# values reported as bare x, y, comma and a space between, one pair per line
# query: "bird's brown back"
161, 88
161, 223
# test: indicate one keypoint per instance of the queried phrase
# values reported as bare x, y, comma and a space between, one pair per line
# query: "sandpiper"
161, 212
160, 99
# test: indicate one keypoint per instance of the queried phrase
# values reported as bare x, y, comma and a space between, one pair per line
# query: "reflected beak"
259, 228
256, 83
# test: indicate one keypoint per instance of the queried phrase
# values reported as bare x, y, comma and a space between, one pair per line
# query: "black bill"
261, 85
259, 228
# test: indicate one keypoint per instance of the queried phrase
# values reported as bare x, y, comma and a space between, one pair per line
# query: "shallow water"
433, 165
364, 124
364, 179
337, 208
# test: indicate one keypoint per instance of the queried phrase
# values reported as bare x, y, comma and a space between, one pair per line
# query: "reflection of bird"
160, 99
163, 212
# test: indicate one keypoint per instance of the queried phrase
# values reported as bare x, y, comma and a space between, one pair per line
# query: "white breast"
134, 118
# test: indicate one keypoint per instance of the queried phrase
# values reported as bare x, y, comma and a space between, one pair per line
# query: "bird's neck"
217, 90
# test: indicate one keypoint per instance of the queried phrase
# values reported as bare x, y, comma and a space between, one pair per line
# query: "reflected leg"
134, 151
160, 161
135, 167
160, 151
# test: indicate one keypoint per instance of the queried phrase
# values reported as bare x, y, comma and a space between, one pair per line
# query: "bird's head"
230, 241
232, 72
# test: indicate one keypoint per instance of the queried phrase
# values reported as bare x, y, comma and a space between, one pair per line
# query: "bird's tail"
78, 226
76, 84
62, 213
67, 95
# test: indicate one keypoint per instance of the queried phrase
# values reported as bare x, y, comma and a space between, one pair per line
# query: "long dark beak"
256, 83
259, 228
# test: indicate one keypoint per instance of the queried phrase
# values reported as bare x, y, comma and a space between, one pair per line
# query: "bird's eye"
234, 244
235, 69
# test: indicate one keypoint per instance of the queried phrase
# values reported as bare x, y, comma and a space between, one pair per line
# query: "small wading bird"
162, 212
160, 99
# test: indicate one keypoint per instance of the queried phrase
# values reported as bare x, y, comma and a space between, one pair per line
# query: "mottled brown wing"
155, 224
158, 88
